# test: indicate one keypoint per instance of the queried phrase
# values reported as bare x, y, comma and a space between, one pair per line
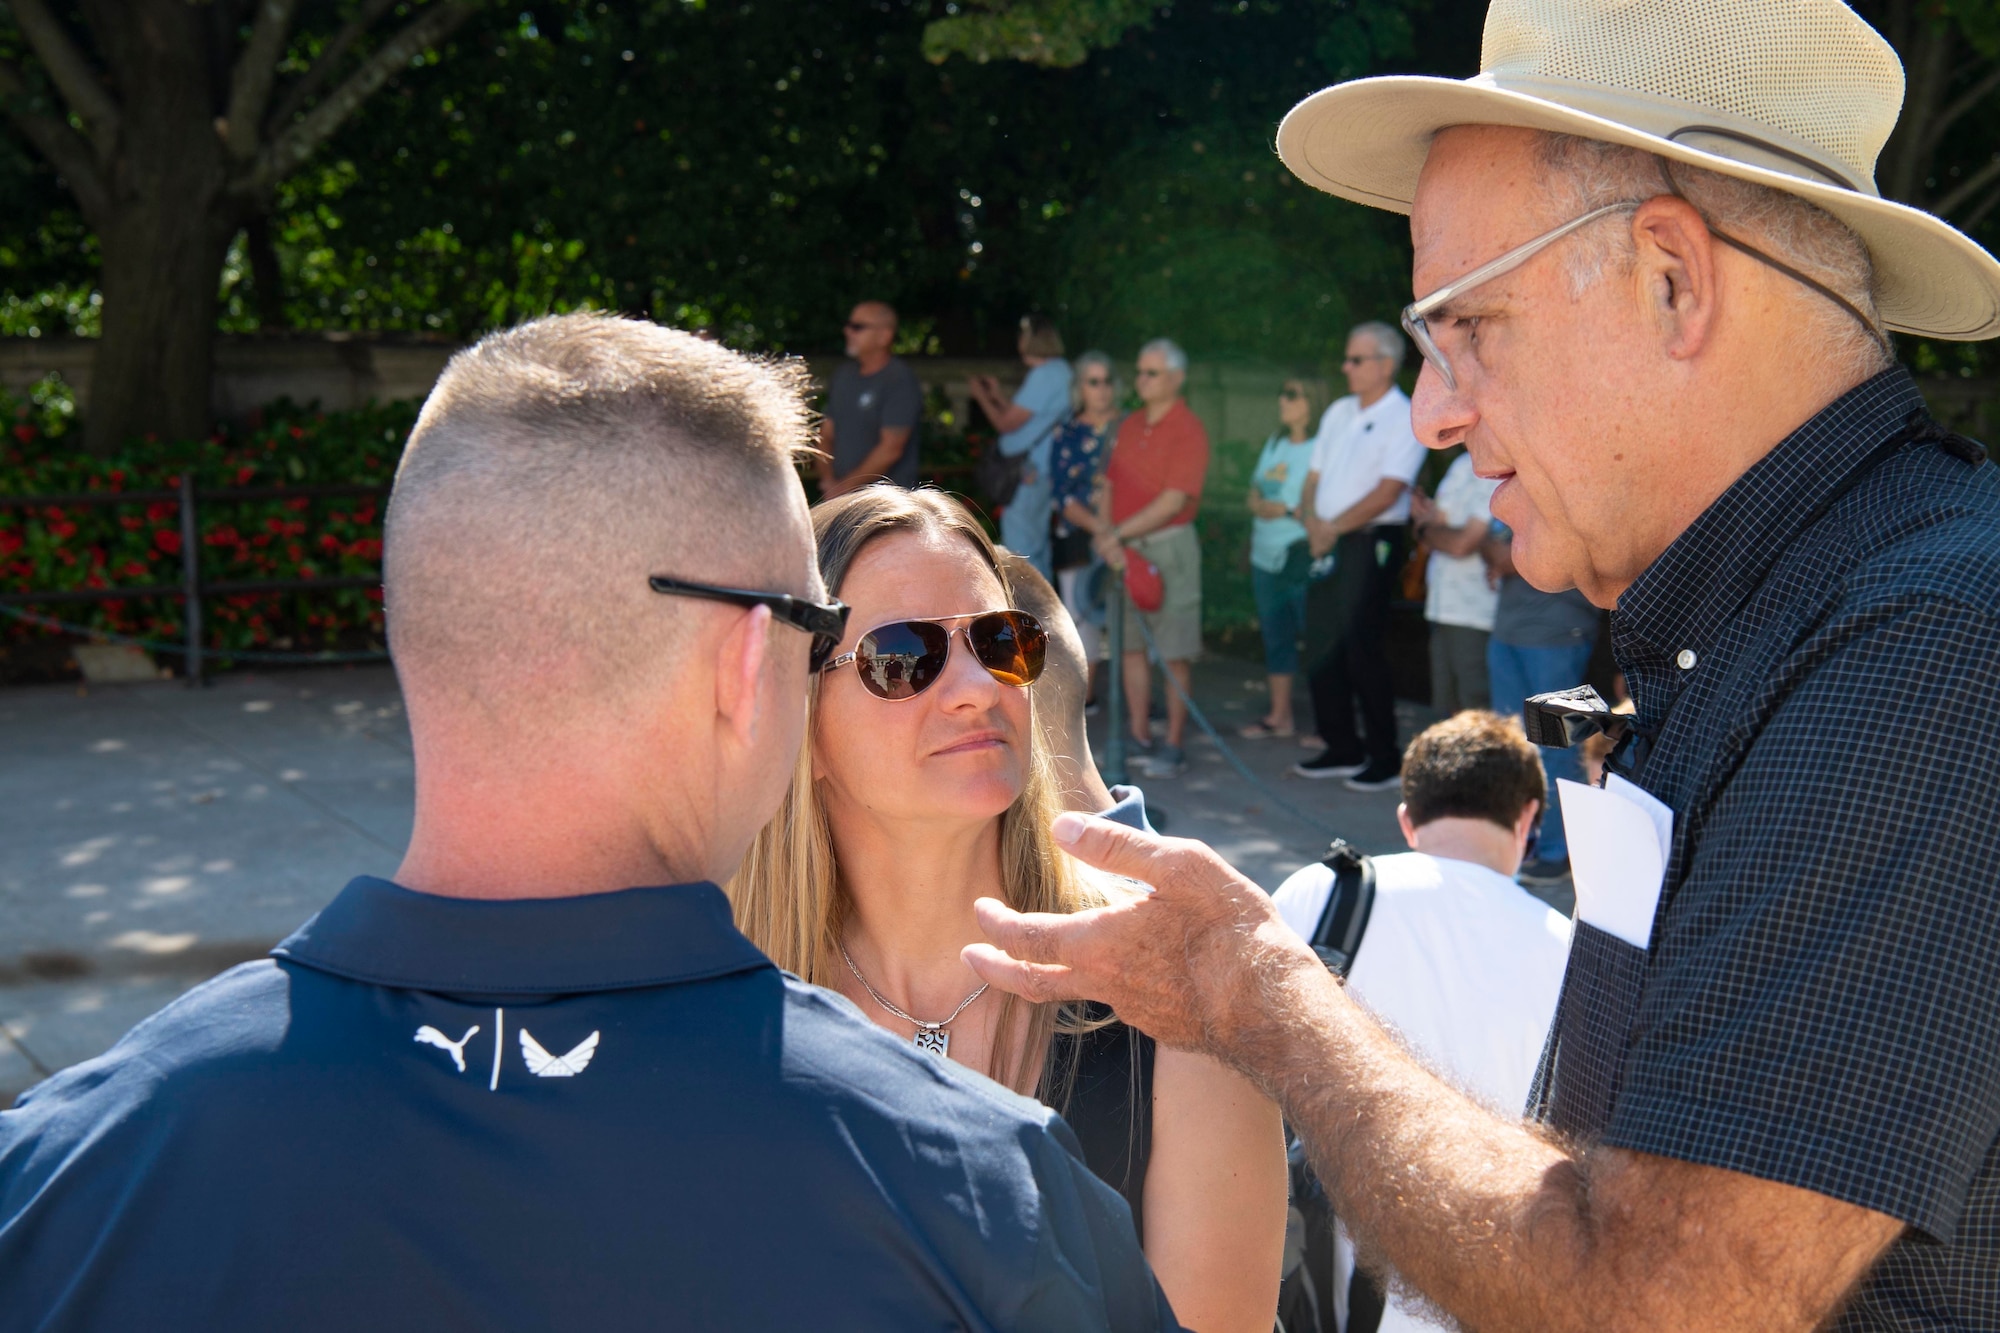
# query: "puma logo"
430, 1036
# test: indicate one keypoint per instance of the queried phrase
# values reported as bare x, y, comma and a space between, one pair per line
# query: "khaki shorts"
1176, 625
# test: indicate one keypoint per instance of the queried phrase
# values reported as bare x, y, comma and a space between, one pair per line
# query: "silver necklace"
930, 1037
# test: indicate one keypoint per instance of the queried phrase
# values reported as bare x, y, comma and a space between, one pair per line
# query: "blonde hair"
787, 893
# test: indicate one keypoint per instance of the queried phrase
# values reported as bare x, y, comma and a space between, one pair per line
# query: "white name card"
1619, 838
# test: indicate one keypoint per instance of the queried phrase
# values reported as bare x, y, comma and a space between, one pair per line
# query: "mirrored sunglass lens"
901, 660
1011, 645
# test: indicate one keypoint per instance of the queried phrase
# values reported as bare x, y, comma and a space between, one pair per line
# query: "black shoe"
1326, 765
1377, 776
1544, 871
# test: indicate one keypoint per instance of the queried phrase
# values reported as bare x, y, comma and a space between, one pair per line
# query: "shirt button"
1685, 661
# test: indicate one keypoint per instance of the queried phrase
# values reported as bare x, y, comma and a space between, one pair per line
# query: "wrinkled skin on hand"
1203, 963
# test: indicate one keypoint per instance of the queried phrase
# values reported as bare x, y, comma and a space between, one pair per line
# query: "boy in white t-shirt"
1457, 960
1458, 599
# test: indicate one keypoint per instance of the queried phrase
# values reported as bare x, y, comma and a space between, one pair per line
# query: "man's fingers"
1123, 850
1038, 982
1036, 937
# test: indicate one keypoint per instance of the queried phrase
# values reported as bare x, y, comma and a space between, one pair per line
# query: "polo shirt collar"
1683, 598
387, 935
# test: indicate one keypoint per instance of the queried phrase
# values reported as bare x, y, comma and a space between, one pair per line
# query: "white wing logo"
430, 1036
544, 1065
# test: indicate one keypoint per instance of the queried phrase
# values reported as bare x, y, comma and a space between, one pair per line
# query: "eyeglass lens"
902, 660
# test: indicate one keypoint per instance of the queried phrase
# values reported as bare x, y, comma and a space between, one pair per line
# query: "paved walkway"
151, 835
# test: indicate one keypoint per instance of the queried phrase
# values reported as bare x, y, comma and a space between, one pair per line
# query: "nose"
965, 684
1441, 417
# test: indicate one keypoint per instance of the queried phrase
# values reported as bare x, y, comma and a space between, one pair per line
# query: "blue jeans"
1024, 527
1281, 615
1515, 673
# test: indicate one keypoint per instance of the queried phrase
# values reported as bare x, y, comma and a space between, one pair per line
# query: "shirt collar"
1679, 603
387, 935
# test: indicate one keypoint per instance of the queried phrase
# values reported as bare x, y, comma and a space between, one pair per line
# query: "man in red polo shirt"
1157, 468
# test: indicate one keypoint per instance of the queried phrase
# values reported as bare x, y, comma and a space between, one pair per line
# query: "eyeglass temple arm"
1513, 259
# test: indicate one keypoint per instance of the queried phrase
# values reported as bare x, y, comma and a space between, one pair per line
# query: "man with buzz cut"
541, 1081
1654, 285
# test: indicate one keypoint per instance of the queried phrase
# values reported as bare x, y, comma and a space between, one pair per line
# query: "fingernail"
1068, 827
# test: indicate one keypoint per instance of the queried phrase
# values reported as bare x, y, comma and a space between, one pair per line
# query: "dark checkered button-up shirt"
1821, 1002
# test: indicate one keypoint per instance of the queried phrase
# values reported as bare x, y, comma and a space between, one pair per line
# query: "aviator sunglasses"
904, 658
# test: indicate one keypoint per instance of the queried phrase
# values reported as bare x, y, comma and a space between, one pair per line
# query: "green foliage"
1056, 33
1205, 237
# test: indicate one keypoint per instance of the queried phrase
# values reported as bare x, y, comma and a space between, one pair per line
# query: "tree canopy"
756, 167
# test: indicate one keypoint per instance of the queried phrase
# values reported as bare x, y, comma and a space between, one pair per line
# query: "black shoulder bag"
1305, 1300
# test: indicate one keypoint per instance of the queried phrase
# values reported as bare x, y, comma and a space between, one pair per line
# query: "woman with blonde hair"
925, 785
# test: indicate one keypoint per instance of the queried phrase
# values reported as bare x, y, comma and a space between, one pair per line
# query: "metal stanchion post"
1113, 767
191, 578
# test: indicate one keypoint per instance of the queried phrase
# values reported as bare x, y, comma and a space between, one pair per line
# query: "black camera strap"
1344, 919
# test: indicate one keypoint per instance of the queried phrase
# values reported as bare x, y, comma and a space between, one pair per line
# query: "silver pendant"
935, 1040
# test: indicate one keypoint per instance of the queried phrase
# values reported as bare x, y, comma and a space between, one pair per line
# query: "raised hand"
1199, 963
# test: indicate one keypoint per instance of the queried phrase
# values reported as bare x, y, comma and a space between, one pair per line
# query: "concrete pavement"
152, 836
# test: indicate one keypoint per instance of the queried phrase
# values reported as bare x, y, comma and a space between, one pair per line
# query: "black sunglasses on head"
904, 658
825, 621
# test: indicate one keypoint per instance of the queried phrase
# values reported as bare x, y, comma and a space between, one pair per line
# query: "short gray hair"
1388, 339
1581, 174
554, 467
1170, 352
1093, 358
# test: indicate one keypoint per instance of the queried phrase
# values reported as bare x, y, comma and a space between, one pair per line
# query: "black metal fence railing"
191, 589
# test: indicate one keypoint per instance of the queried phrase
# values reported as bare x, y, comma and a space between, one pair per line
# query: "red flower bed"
53, 547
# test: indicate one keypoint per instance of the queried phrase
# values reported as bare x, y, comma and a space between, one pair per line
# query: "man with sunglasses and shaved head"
540, 1080
1654, 288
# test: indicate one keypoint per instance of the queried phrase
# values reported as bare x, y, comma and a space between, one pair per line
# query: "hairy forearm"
1505, 1229
1500, 1227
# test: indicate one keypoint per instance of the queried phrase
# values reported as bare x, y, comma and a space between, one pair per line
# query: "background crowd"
1089, 477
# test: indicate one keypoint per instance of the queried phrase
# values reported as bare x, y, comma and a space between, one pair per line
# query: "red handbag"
1143, 583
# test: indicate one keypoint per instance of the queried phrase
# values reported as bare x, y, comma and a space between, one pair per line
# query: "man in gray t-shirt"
874, 407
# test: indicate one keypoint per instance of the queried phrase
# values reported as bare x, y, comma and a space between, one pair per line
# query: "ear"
1675, 274
739, 666
1403, 822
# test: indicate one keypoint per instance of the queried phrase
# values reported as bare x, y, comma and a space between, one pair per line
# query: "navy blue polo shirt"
600, 1112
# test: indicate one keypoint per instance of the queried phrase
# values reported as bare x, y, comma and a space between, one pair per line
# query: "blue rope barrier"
1310, 821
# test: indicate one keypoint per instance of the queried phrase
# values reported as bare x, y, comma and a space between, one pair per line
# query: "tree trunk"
162, 264
164, 237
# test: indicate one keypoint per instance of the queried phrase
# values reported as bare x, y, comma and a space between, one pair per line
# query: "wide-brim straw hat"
1799, 95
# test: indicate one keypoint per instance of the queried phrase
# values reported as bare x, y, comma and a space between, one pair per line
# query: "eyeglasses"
856, 325
904, 658
1363, 360
1416, 315
825, 621
1146, 373
1099, 383
1290, 395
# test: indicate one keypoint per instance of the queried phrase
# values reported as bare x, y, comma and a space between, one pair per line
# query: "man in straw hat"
1655, 280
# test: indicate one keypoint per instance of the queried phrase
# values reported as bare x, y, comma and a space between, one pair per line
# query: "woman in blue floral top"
1076, 464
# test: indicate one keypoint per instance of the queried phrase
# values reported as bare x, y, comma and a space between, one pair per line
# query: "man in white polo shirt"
1457, 958
1356, 510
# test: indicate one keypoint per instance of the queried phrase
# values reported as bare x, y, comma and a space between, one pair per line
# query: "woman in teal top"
1278, 555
